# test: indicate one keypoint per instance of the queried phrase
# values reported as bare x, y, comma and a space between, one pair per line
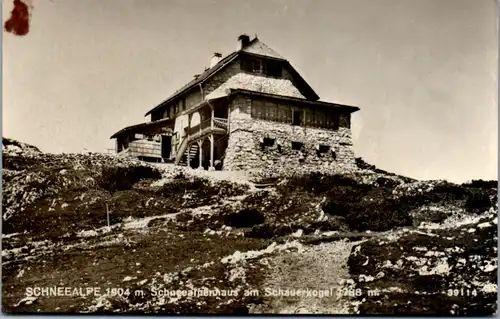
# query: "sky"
423, 72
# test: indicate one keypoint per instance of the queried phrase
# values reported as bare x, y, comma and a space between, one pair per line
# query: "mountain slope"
363, 241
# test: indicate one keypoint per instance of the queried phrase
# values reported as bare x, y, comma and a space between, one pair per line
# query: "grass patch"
137, 255
195, 191
479, 183
244, 218
478, 202
117, 178
316, 183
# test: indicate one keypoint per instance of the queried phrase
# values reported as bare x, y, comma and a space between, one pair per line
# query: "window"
267, 141
320, 118
287, 112
332, 120
257, 109
297, 116
308, 117
283, 113
323, 148
273, 68
297, 146
336, 121
251, 65
270, 111
182, 105
255, 66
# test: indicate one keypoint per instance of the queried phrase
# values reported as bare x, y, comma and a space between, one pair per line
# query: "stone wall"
234, 68
221, 77
246, 150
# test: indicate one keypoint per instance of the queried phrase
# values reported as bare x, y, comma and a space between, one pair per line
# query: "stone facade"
250, 147
221, 77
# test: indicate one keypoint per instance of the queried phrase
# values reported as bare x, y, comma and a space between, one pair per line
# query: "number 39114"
461, 292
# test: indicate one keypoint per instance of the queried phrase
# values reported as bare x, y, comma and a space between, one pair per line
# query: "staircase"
212, 126
193, 154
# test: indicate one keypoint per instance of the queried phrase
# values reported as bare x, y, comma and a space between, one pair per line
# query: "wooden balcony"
216, 125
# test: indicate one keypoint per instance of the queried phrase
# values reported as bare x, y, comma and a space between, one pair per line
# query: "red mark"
19, 22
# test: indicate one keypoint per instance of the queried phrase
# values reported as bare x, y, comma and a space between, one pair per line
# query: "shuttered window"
271, 111
258, 109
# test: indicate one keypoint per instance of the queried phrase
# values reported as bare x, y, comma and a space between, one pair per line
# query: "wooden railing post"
212, 120
211, 152
200, 145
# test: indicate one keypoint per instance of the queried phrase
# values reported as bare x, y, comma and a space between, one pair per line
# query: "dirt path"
318, 267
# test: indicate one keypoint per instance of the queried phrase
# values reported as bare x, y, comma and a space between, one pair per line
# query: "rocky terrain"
94, 233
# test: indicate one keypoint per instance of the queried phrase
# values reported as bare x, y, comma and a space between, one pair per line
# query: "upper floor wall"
289, 112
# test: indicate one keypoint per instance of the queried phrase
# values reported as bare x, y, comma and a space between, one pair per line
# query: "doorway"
166, 145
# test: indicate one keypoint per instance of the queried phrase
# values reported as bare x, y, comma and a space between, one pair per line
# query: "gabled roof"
254, 48
257, 47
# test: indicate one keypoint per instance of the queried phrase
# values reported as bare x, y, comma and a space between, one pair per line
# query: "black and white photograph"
248, 157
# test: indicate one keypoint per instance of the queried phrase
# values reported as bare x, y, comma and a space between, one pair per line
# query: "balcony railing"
220, 123
208, 125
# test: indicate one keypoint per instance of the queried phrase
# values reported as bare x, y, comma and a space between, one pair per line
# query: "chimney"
244, 41
215, 59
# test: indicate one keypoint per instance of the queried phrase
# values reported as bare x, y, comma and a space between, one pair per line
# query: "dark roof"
205, 75
137, 127
219, 66
348, 108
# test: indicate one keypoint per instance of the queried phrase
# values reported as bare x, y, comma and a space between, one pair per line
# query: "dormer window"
255, 66
268, 67
273, 68
251, 65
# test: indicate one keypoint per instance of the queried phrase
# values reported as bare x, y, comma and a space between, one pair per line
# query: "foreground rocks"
435, 269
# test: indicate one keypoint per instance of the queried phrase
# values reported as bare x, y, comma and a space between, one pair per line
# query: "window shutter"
288, 114
308, 121
260, 109
265, 68
268, 110
336, 119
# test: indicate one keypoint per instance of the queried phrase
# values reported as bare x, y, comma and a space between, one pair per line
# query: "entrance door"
166, 145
